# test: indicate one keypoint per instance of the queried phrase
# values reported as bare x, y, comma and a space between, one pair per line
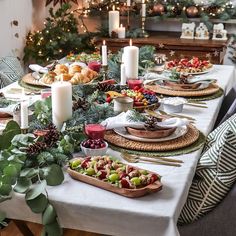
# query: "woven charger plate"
213, 88
189, 138
29, 79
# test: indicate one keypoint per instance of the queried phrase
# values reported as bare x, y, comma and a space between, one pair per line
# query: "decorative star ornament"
55, 2
172, 53
161, 45
208, 55
216, 53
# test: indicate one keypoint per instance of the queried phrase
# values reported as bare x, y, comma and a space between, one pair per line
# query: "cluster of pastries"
74, 74
194, 65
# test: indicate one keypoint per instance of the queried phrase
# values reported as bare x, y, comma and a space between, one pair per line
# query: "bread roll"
74, 69
61, 69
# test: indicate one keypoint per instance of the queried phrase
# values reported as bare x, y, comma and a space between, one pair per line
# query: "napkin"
38, 68
9, 109
122, 121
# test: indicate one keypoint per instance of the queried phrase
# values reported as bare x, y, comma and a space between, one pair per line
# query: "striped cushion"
215, 173
10, 70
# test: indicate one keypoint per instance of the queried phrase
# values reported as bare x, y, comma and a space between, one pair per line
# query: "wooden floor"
12, 230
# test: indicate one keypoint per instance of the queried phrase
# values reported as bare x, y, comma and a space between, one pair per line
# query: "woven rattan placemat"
213, 88
191, 148
189, 138
29, 79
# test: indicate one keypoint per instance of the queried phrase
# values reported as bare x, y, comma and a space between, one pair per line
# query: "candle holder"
24, 131
105, 72
144, 32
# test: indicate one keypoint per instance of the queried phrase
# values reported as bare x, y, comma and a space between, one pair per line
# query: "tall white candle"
114, 20
61, 103
128, 3
122, 71
104, 53
131, 61
143, 8
121, 32
24, 115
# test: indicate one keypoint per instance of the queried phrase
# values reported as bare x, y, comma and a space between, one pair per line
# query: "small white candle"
131, 61
128, 3
121, 32
143, 8
61, 103
114, 20
104, 53
24, 115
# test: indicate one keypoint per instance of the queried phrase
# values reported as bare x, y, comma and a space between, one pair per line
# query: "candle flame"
104, 42
113, 8
121, 25
130, 42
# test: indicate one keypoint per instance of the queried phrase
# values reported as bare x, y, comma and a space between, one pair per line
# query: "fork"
161, 161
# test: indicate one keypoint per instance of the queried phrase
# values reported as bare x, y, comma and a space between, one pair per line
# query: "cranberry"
102, 174
124, 183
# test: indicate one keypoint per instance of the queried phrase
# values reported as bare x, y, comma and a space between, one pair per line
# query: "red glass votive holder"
95, 131
45, 93
94, 65
132, 83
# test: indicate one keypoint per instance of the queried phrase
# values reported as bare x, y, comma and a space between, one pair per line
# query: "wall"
30, 15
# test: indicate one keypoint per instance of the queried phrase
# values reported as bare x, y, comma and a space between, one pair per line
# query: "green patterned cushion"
215, 173
10, 70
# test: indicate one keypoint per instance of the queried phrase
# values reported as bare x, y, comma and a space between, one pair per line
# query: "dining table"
88, 208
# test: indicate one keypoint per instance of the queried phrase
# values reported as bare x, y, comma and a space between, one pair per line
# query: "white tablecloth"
84, 207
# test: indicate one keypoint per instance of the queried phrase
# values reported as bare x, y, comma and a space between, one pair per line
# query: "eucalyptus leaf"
6, 179
55, 175
2, 215
22, 139
22, 185
36, 190
12, 129
10, 170
53, 229
29, 172
49, 215
45, 157
5, 189
38, 204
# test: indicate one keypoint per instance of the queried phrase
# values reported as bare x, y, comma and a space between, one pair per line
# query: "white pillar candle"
122, 72
131, 61
24, 115
61, 103
121, 32
104, 53
114, 20
128, 3
143, 8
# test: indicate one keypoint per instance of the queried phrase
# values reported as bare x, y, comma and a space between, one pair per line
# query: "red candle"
46, 93
94, 65
95, 131
132, 83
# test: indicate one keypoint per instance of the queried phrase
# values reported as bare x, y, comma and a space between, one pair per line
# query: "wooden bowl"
142, 133
181, 86
153, 106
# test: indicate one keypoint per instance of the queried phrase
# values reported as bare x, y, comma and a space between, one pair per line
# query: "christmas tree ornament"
192, 11
158, 9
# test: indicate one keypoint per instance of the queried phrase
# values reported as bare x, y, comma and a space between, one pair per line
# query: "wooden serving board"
131, 193
29, 79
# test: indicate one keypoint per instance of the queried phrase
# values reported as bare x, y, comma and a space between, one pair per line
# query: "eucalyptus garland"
28, 164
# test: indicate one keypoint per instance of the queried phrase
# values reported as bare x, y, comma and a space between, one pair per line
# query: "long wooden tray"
131, 193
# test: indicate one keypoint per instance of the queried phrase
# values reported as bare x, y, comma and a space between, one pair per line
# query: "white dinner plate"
180, 131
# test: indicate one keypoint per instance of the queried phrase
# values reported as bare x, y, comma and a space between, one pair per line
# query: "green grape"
113, 177
143, 172
90, 171
75, 163
136, 181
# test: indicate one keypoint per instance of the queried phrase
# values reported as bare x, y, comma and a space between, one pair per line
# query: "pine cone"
80, 103
104, 87
151, 123
114, 34
52, 136
35, 148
